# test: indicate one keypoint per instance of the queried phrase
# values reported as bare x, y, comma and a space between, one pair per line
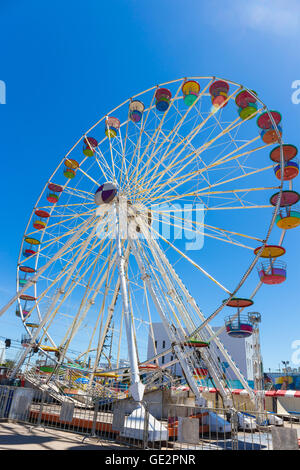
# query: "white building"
240, 349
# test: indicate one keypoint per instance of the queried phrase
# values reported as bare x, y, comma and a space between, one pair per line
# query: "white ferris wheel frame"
76, 234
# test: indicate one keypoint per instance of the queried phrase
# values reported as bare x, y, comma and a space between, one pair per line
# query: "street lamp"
285, 363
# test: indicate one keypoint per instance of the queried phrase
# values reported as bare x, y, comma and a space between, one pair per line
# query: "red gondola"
239, 326
219, 93
268, 122
273, 272
90, 145
163, 98
54, 192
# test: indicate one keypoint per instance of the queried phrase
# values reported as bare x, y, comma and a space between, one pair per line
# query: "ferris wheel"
182, 181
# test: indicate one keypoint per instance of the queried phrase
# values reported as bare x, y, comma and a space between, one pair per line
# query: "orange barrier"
76, 422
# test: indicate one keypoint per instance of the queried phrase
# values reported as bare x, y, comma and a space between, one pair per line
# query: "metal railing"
154, 424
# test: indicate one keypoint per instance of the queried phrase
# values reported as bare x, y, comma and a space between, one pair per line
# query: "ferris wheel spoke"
68, 292
111, 151
188, 139
119, 155
132, 192
110, 313
232, 140
162, 174
195, 223
230, 232
69, 263
106, 177
178, 303
99, 349
188, 176
155, 137
124, 167
65, 210
83, 227
86, 304
68, 218
150, 321
63, 273
141, 132
53, 303
174, 132
191, 136
217, 194
125, 139
199, 191
198, 312
254, 206
166, 169
190, 260
221, 181
168, 309
64, 206
196, 231
87, 256
31, 281
112, 306
244, 175
214, 164
174, 333
139, 148
96, 151
79, 192
240, 190
225, 159
88, 176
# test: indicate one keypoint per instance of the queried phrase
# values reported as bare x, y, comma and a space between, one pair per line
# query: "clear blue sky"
66, 63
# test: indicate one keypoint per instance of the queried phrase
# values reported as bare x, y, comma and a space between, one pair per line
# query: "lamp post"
285, 364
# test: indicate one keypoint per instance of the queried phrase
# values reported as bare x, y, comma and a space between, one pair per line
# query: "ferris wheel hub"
106, 193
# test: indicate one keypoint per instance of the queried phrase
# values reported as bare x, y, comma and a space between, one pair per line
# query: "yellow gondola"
110, 375
49, 348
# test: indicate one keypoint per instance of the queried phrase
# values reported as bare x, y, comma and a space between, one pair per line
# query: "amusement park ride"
93, 242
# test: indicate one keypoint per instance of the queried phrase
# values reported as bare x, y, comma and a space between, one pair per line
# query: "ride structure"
101, 245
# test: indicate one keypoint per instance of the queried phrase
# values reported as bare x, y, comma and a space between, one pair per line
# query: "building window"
155, 342
171, 358
164, 344
163, 360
